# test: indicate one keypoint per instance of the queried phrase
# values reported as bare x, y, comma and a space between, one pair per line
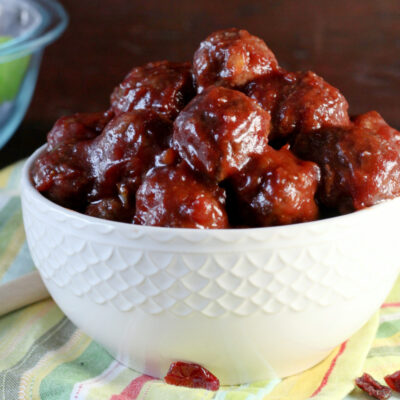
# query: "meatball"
123, 153
197, 146
372, 120
111, 208
62, 175
163, 87
219, 131
299, 102
172, 196
360, 164
77, 127
267, 91
231, 58
277, 189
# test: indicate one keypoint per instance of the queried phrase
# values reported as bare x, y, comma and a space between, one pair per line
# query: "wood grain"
354, 44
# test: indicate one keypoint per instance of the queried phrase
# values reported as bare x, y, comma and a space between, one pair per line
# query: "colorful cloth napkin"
44, 356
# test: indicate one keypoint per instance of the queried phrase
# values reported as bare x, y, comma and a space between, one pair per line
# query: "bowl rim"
26, 184
54, 21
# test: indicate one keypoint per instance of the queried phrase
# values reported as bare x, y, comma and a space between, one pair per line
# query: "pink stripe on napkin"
131, 392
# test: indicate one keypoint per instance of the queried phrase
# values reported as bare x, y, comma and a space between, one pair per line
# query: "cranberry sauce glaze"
231, 140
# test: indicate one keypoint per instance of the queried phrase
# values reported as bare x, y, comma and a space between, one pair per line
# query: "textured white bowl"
248, 304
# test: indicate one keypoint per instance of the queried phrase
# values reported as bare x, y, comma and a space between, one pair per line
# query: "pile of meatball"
231, 140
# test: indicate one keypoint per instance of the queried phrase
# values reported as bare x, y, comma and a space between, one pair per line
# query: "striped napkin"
44, 356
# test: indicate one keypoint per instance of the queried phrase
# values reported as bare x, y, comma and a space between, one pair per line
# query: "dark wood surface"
355, 45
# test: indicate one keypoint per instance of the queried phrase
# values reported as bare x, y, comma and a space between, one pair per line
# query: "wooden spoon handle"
21, 292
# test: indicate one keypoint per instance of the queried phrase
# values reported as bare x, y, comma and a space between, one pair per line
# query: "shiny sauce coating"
360, 164
231, 58
230, 140
219, 131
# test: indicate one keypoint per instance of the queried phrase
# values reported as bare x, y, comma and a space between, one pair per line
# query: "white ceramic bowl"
248, 304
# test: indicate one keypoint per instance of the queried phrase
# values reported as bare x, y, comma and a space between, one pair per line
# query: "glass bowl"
26, 28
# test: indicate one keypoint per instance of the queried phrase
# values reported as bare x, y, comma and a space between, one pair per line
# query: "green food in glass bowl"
11, 75
27, 28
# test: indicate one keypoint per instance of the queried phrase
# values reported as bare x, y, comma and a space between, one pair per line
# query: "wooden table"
354, 44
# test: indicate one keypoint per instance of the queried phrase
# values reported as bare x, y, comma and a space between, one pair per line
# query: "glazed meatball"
77, 127
360, 165
123, 153
231, 58
267, 91
277, 189
219, 131
172, 196
111, 208
62, 175
373, 121
299, 102
197, 147
163, 87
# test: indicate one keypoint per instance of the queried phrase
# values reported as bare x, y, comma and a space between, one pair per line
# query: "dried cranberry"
393, 381
191, 375
372, 387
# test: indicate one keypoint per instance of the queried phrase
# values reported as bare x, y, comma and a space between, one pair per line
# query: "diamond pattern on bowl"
117, 283
272, 306
230, 301
181, 309
121, 303
195, 282
148, 288
212, 291
246, 308
178, 291
164, 300
229, 282
212, 273
214, 310
132, 276
177, 267
261, 279
151, 307
246, 289
197, 302
243, 268
162, 280
134, 296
